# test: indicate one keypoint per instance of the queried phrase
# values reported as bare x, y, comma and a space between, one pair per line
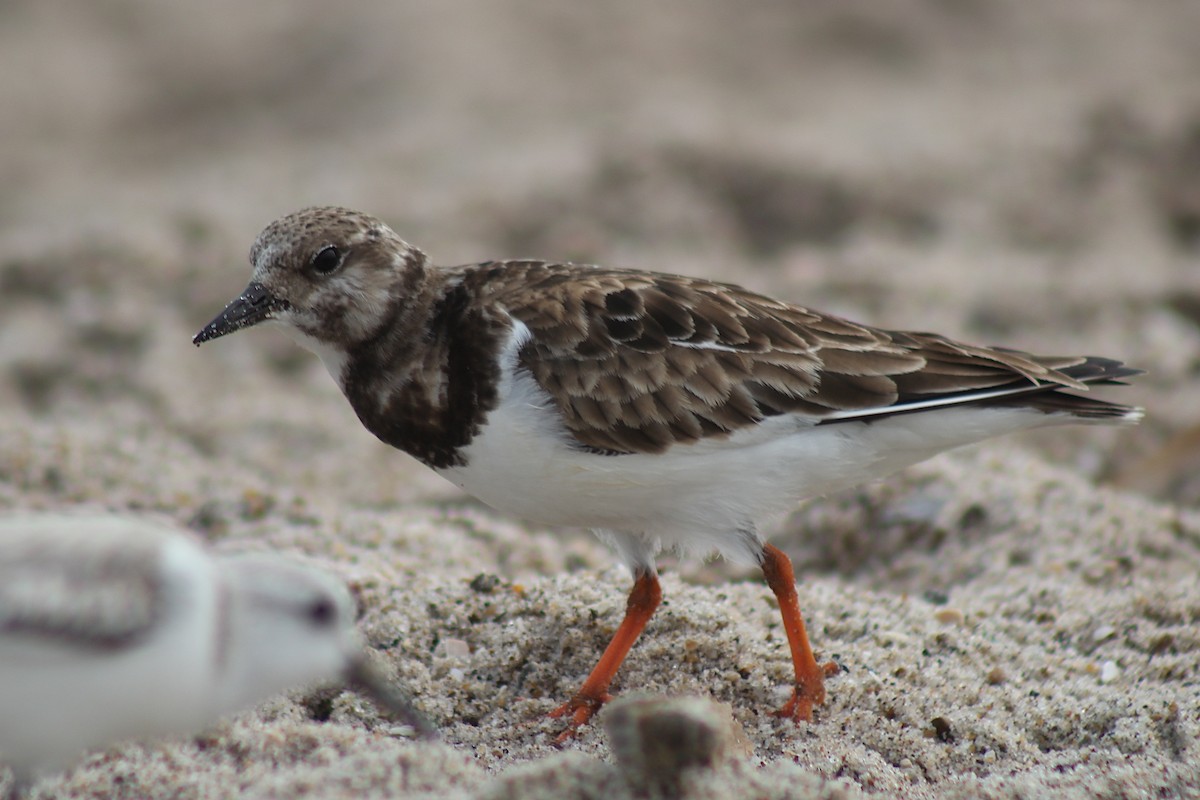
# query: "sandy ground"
1018, 619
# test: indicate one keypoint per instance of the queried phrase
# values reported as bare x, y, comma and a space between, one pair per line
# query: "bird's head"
332, 276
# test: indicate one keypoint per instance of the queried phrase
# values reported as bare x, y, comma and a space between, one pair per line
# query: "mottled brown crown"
303, 230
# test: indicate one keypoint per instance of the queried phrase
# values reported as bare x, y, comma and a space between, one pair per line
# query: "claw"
581, 709
805, 696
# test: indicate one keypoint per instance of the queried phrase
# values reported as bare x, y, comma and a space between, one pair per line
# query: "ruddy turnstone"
660, 411
114, 627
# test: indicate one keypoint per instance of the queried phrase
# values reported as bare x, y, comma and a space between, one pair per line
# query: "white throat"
333, 359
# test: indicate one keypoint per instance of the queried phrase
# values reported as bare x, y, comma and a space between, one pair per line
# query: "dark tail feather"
1086, 409
1095, 371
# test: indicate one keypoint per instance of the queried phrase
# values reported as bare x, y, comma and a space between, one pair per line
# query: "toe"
580, 709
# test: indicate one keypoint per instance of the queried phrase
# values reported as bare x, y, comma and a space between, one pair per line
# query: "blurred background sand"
1021, 174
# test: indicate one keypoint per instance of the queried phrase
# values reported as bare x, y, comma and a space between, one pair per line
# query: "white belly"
699, 497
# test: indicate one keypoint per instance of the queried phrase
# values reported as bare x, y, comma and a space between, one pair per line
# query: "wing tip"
1101, 370
1050, 395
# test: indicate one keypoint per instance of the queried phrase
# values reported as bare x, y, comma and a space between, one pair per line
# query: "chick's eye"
326, 260
322, 613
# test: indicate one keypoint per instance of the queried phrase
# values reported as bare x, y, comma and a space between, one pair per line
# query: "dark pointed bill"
252, 306
364, 676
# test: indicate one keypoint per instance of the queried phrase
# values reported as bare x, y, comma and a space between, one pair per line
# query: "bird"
661, 411
116, 626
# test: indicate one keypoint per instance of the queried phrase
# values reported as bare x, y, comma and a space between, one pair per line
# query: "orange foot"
580, 709
808, 694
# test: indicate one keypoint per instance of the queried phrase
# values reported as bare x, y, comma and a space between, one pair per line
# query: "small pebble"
654, 740
935, 597
941, 729
484, 583
950, 616
1109, 672
455, 649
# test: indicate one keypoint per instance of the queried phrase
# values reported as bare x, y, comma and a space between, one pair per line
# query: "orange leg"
643, 600
809, 690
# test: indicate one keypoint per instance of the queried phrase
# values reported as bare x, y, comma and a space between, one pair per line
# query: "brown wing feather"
638, 362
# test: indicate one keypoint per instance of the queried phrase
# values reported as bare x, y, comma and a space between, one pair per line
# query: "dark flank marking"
452, 367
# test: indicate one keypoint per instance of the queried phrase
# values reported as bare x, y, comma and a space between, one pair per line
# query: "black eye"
321, 613
327, 259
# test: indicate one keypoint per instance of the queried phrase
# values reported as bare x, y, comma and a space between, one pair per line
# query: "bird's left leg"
809, 689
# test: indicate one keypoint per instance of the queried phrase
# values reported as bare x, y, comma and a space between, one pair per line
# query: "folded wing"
638, 362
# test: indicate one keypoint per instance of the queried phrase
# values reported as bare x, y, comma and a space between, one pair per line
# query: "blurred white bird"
116, 627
